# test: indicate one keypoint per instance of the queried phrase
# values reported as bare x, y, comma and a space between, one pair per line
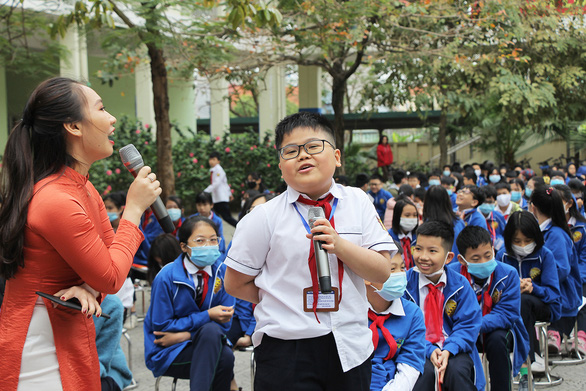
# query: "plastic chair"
549, 379
173, 385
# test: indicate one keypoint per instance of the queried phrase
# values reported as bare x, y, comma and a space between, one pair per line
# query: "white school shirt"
219, 185
270, 243
424, 290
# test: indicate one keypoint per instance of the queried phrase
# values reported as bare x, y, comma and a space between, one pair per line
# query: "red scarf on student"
433, 306
325, 204
487, 300
406, 245
378, 322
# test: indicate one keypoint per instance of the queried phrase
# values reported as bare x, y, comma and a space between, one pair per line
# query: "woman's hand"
87, 299
168, 338
221, 313
142, 193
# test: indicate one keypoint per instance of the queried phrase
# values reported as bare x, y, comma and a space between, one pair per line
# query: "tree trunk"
164, 171
338, 93
442, 137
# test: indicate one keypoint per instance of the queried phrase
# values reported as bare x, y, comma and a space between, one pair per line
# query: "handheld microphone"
133, 162
321, 255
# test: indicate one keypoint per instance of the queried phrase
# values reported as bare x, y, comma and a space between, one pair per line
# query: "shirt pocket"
351, 233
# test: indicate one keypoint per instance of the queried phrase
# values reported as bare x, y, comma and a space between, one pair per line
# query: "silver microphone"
321, 255
133, 162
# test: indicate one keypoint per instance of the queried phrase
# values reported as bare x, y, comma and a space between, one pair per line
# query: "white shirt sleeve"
405, 378
374, 235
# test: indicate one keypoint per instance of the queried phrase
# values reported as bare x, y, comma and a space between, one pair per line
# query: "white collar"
192, 269
396, 308
401, 235
545, 225
424, 281
572, 221
293, 195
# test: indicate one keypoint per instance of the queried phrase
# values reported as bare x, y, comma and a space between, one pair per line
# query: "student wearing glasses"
190, 313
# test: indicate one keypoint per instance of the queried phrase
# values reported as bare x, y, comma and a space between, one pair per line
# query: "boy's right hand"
221, 313
439, 358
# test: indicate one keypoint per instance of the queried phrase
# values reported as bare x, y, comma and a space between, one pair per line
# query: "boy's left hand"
167, 338
441, 362
324, 232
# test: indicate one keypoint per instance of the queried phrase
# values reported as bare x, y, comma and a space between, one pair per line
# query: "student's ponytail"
567, 196
549, 202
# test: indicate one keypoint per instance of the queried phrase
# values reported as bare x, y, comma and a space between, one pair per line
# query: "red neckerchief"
177, 228
406, 245
378, 322
204, 291
433, 307
483, 296
325, 204
147, 215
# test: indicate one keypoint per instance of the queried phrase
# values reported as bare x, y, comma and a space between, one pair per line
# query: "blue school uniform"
174, 308
480, 181
462, 318
408, 330
380, 201
395, 237
475, 218
541, 267
218, 221
150, 228
495, 223
505, 293
559, 243
453, 198
459, 225
578, 229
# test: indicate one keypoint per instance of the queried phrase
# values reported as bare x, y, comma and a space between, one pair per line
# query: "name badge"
326, 302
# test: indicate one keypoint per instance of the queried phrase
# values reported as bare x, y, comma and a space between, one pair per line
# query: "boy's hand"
221, 313
441, 362
324, 232
167, 338
526, 285
244, 341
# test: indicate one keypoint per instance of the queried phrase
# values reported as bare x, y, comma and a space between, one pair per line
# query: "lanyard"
306, 224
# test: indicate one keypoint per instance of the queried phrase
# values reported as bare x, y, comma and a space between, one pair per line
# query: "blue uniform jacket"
560, 244
453, 198
506, 309
459, 225
395, 237
462, 318
475, 218
409, 333
150, 229
495, 223
540, 266
218, 221
380, 201
579, 238
173, 308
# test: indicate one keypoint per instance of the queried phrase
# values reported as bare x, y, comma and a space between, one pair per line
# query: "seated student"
419, 198
380, 195
532, 183
547, 206
511, 175
164, 249
174, 207
469, 197
447, 170
413, 180
517, 191
434, 178
114, 203
204, 205
495, 221
190, 313
540, 292
503, 200
437, 206
498, 291
404, 228
557, 178
494, 176
571, 173
449, 184
469, 178
254, 182
362, 183
577, 188
577, 225
451, 312
398, 333
480, 176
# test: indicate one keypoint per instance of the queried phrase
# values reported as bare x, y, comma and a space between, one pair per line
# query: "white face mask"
503, 199
408, 224
477, 172
524, 251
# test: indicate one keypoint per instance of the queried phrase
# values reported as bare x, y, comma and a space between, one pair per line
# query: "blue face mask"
486, 209
394, 287
113, 216
174, 214
528, 192
481, 270
515, 196
554, 182
450, 192
494, 178
434, 182
447, 173
204, 256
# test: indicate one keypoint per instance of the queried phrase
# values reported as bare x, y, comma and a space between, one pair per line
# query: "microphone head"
314, 213
130, 157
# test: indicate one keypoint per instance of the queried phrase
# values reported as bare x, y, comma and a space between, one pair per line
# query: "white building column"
310, 89
272, 101
181, 105
74, 65
219, 107
143, 89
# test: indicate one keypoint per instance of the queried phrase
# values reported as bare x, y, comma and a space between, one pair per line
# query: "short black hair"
342, 180
398, 176
557, 173
526, 223
376, 176
176, 200
303, 119
436, 173
576, 185
203, 198
511, 174
405, 190
189, 225
519, 182
438, 229
214, 154
419, 193
447, 180
414, 175
471, 237
118, 198
470, 174
361, 179
476, 193
489, 192
164, 247
502, 185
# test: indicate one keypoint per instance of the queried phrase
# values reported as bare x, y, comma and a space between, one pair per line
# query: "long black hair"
36, 149
549, 202
438, 206
165, 248
398, 211
526, 223
567, 196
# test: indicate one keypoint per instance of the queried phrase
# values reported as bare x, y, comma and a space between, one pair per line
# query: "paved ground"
574, 376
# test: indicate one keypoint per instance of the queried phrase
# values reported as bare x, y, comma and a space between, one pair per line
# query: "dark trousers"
459, 375
497, 346
533, 310
310, 364
207, 362
235, 331
108, 384
563, 325
582, 313
222, 209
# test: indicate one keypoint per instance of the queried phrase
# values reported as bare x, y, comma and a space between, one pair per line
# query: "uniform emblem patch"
534, 273
577, 236
495, 224
496, 296
451, 306
217, 285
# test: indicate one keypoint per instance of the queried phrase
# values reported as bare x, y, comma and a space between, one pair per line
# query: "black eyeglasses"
312, 147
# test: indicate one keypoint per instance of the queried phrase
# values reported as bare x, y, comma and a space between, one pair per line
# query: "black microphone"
133, 162
321, 255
